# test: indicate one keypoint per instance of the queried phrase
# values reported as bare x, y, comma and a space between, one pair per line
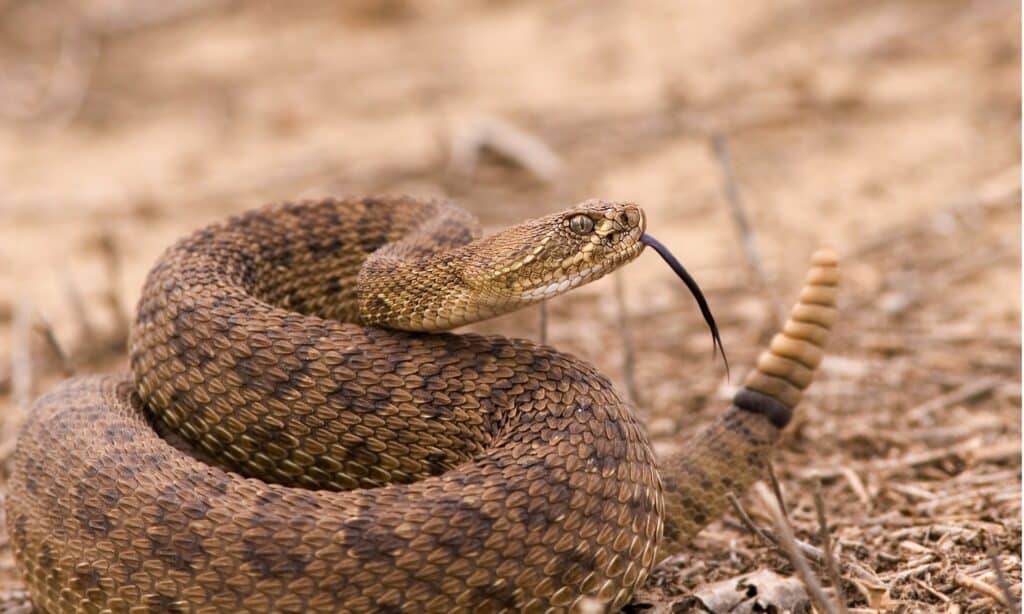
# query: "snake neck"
403, 287
427, 294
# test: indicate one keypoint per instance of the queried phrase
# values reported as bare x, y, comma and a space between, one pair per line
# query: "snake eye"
581, 224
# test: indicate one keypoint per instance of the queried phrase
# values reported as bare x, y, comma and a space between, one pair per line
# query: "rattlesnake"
388, 470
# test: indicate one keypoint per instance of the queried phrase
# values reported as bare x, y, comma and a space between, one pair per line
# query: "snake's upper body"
296, 435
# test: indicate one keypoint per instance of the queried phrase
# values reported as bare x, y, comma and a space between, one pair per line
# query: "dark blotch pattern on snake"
279, 446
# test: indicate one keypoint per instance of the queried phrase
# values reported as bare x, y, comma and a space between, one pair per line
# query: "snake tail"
734, 451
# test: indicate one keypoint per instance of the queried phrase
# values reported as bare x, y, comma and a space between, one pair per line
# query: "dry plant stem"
739, 213
86, 332
22, 376
112, 260
768, 537
931, 591
542, 323
510, 143
7, 448
968, 392
916, 459
832, 565
628, 355
911, 573
856, 485
89, 345
784, 532
777, 491
42, 326
1001, 581
982, 588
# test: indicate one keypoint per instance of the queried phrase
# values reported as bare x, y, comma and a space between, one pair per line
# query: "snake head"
544, 257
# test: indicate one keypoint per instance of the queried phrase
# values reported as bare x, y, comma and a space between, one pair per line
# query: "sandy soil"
888, 130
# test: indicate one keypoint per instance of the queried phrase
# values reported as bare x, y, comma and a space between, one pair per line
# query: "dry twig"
542, 321
931, 591
784, 533
628, 354
739, 213
508, 142
1009, 599
968, 392
982, 588
825, 535
22, 375
856, 485
777, 489
911, 572
768, 537
42, 326
86, 332
112, 261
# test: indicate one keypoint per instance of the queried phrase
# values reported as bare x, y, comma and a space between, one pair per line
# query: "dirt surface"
888, 130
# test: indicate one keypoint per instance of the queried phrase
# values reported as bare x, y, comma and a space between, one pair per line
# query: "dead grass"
888, 130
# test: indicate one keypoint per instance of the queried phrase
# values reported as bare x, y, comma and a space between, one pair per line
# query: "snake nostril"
630, 217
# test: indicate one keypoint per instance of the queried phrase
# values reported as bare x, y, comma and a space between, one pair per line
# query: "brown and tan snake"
281, 446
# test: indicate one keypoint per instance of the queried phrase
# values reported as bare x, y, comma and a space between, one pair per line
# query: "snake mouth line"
583, 276
695, 290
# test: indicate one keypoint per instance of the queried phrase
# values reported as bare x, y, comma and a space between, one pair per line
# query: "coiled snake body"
276, 450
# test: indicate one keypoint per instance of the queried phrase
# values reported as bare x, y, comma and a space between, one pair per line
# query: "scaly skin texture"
388, 471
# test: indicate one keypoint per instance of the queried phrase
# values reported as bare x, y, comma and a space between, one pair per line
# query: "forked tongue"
691, 283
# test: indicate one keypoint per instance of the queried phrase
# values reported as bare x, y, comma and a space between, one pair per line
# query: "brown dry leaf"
761, 591
877, 595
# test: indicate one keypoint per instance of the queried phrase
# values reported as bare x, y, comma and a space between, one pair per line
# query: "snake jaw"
554, 288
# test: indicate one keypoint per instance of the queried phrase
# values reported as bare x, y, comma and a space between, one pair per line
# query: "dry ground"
889, 130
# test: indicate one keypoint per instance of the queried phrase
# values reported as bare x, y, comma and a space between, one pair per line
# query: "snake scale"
296, 435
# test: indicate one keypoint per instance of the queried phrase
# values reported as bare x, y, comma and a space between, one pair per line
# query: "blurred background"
751, 133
